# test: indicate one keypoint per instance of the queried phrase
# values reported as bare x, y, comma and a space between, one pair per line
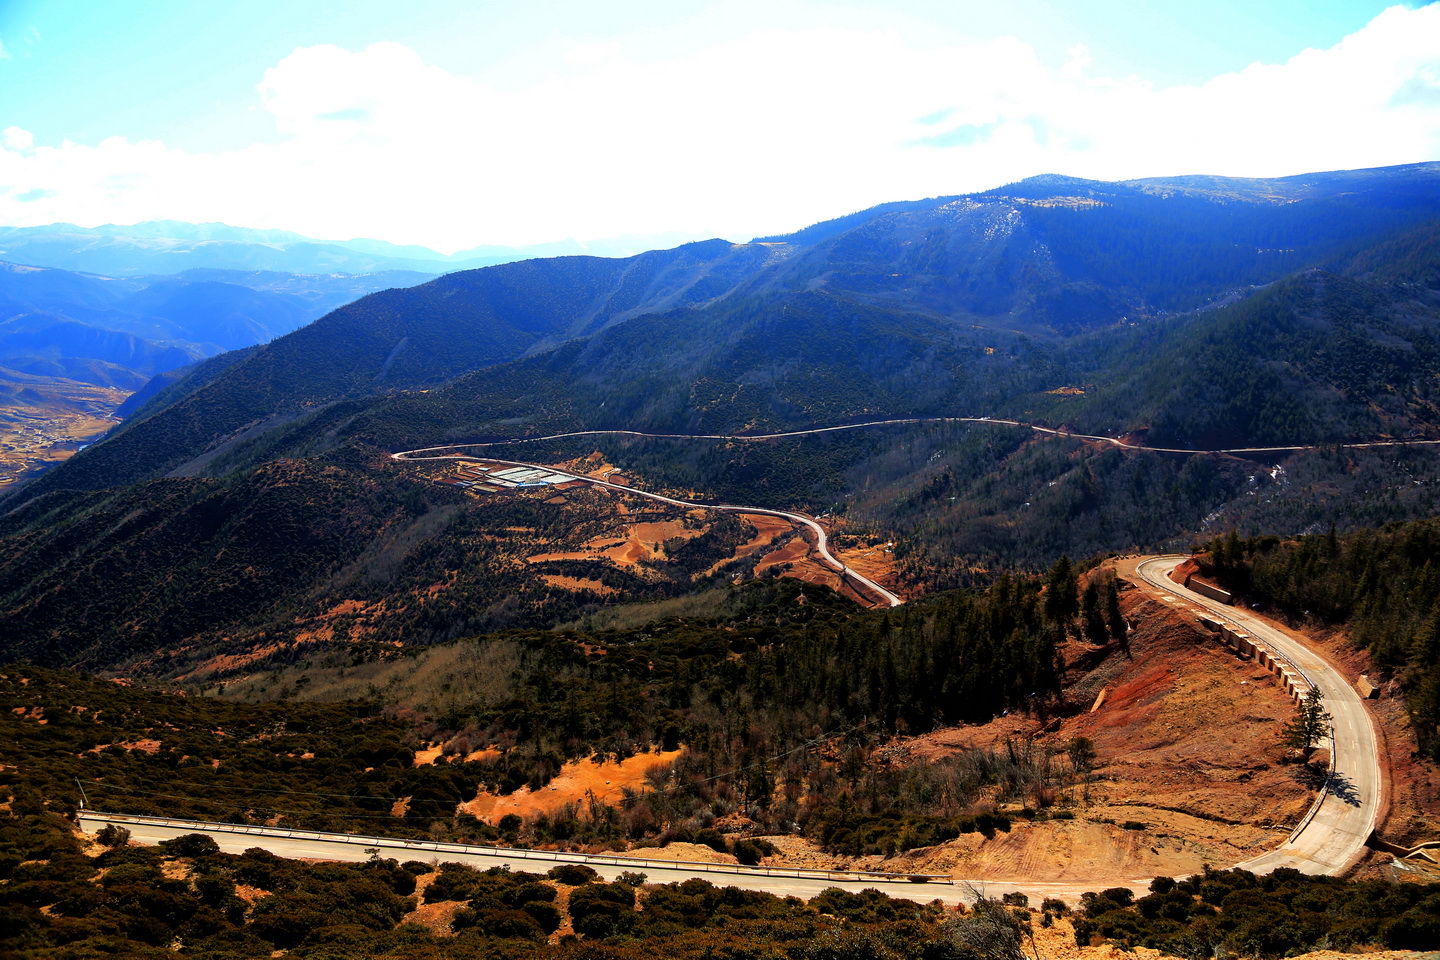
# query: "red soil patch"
1185, 569
437, 917
576, 584
767, 530
1187, 744
428, 755
877, 563
575, 782
640, 542
801, 564
250, 894
435, 753
791, 552
144, 746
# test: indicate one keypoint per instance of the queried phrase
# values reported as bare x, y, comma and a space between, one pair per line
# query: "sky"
458, 123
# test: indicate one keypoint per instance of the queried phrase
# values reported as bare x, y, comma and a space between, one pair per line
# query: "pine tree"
1061, 602
1095, 629
1119, 629
1310, 724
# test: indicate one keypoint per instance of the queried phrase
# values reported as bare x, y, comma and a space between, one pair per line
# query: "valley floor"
46, 423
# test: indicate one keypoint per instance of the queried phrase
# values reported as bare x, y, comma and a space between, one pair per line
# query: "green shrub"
600, 910
572, 874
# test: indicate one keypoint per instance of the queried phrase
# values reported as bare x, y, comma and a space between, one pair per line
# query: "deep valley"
814, 552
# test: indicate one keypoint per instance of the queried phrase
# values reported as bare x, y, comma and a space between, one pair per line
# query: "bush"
747, 852
603, 909
528, 892
713, 839
544, 914
455, 882
572, 874
503, 923
1115, 898
190, 845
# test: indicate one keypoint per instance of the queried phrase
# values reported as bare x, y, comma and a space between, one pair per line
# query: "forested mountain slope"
1051, 255
1312, 359
404, 339
927, 309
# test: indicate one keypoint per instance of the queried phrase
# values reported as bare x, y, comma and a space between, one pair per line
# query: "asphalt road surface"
1330, 838
298, 844
822, 548
822, 539
234, 838
1333, 835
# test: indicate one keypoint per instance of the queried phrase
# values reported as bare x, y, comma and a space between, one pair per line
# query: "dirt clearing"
575, 783
1188, 769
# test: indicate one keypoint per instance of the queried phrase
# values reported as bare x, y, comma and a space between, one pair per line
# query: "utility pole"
84, 800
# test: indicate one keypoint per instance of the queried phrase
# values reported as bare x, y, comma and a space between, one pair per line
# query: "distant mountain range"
171, 246
121, 332
911, 308
1199, 311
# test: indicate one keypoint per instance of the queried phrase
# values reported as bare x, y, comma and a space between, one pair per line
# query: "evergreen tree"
1061, 601
1095, 629
1119, 629
1310, 724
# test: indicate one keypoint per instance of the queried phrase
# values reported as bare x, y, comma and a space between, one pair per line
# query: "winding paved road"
782, 881
1049, 431
1332, 836
1329, 839
822, 539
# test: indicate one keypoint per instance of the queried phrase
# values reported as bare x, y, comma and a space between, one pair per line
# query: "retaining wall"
1244, 646
1206, 590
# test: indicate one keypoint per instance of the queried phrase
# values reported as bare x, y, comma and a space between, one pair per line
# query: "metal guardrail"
519, 853
1275, 655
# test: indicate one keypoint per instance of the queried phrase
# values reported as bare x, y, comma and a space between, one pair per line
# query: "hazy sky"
454, 123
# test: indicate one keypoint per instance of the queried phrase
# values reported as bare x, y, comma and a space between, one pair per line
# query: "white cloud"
15, 138
764, 133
